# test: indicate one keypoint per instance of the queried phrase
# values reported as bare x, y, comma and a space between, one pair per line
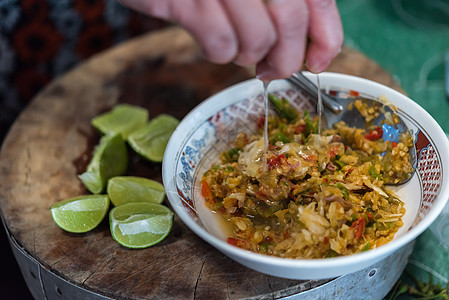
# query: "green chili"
232, 154
366, 247
373, 173
311, 127
344, 191
279, 136
229, 169
283, 108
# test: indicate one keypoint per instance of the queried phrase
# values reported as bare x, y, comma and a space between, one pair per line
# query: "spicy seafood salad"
309, 194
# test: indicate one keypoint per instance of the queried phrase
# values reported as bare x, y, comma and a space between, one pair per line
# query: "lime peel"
80, 214
110, 159
150, 141
125, 189
122, 119
140, 224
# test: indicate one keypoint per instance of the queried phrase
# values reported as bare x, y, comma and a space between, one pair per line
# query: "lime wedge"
150, 141
140, 224
125, 189
110, 159
80, 214
123, 119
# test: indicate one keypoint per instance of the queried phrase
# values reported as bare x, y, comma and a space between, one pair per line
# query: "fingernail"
310, 67
316, 67
264, 70
266, 75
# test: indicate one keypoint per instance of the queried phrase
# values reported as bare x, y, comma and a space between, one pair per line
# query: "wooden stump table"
51, 143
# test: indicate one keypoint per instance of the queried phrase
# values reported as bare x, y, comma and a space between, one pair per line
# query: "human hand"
276, 35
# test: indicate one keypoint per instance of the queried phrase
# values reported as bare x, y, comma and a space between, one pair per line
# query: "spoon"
342, 109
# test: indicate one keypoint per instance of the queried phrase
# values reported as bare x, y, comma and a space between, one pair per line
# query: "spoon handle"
308, 86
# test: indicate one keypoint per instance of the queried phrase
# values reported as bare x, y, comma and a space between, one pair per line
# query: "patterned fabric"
41, 39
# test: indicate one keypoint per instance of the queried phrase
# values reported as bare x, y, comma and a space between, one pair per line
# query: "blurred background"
42, 39
39, 41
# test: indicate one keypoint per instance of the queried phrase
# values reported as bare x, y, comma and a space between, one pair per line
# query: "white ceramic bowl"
211, 127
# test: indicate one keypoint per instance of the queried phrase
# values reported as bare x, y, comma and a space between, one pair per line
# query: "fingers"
209, 24
227, 30
291, 18
325, 33
272, 34
255, 31
206, 20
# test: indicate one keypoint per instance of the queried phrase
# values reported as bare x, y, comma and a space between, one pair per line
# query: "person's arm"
276, 35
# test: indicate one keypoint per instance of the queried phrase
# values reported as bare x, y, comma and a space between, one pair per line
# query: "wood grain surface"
51, 143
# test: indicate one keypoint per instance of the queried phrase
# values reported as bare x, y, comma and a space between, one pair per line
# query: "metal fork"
336, 109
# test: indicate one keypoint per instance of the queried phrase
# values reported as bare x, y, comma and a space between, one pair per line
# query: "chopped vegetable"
206, 192
283, 108
306, 195
359, 227
375, 134
278, 136
366, 247
343, 190
311, 127
373, 173
232, 154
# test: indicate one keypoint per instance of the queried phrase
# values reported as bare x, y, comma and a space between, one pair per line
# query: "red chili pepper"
232, 241
275, 161
326, 240
301, 128
359, 226
360, 229
375, 134
333, 151
206, 192
394, 144
261, 122
237, 242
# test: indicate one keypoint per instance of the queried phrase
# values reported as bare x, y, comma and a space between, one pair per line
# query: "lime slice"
110, 159
123, 119
125, 189
80, 214
150, 141
140, 224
